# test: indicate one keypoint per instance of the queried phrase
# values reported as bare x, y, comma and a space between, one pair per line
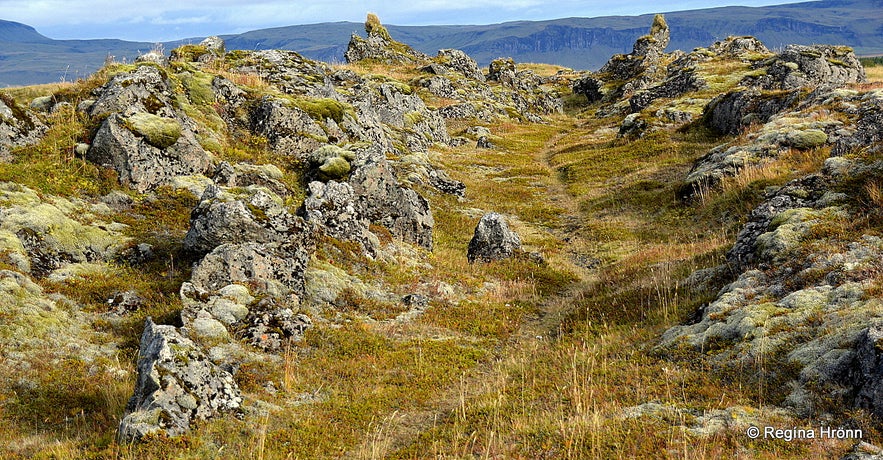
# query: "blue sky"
165, 20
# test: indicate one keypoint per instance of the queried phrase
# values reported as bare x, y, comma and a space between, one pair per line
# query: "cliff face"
253, 252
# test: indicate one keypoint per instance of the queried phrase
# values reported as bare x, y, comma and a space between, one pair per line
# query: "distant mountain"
27, 57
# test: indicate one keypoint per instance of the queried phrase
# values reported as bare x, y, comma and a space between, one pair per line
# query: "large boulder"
243, 215
493, 240
334, 208
147, 150
383, 200
460, 62
290, 130
176, 386
732, 112
144, 137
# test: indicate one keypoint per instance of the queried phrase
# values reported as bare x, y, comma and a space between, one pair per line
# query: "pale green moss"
807, 139
335, 168
158, 131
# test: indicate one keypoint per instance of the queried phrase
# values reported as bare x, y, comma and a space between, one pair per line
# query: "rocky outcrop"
17, 127
38, 236
492, 240
290, 130
379, 46
144, 138
624, 74
784, 133
779, 82
233, 216
251, 241
333, 206
177, 385
808, 66
382, 200
147, 150
460, 62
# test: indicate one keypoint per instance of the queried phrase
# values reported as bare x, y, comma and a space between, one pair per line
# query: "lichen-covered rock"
801, 193
289, 129
244, 175
868, 131
147, 150
177, 385
270, 327
460, 62
17, 127
782, 134
492, 240
731, 112
274, 269
384, 201
240, 215
442, 182
144, 90
334, 207
809, 66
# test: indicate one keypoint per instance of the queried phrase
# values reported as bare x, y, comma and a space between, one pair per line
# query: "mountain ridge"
580, 43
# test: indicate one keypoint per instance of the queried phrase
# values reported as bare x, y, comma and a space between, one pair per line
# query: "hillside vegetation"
250, 254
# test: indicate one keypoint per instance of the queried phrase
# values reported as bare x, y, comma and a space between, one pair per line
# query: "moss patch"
159, 132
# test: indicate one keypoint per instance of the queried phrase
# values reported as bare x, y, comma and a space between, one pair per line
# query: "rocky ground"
255, 255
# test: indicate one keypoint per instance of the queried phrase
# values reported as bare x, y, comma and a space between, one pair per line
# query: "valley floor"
511, 359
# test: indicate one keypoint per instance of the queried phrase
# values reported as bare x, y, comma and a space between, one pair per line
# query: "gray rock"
143, 90
147, 156
460, 62
244, 175
442, 182
177, 385
274, 269
334, 207
43, 104
380, 46
868, 131
809, 66
270, 328
214, 44
731, 112
503, 71
253, 214
384, 201
154, 57
290, 130
17, 127
492, 240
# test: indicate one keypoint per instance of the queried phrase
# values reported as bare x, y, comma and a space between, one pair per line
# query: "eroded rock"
177, 385
492, 240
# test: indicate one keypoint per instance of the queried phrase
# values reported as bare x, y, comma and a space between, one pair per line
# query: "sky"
167, 20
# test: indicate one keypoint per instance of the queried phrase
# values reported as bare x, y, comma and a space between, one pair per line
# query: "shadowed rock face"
177, 385
492, 240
